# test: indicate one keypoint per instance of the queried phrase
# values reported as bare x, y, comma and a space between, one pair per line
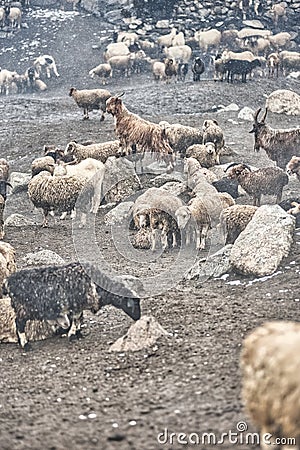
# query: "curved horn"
120, 95
264, 116
256, 115
231, 165
247, 167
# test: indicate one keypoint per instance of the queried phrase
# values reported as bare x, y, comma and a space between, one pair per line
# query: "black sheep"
61, 293
240, 67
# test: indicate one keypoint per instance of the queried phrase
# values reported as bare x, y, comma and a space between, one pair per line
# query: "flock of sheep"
160, 219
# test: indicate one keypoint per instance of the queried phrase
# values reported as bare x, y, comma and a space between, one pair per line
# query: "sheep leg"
102, 116
164, 238
64, 215
154, 238
85, 113
20, 327
74, 331
45, 221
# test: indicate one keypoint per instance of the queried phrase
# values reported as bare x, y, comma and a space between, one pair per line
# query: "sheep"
103, 71
132, 130
2, 205
205, 154
54, 193
7, 78
267, 180
7, 262
207, 39
280, 40
194, 220
195, 173
233, 220
170, 69
91, 170
122, 64
270, 367
15, 17
116, 49
158, 70
278, 10
181, 137
219, 68
182, 70
4, 175
212, 132
280, 145
142, 239
45, 163
242, 56
293, 166
40, 85
180, 53
166, 40
178, 39
90, 99
156, 208
100, 151
127, 37
35, 330
294, 210
273, 64
198, 68
289, 61
61, 293
45, 63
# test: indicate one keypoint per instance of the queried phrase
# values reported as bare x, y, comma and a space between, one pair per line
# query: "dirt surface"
79, 396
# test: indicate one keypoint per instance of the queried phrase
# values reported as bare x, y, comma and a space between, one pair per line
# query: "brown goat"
133, 131
268, 181
273, 64
293, 166
280, 145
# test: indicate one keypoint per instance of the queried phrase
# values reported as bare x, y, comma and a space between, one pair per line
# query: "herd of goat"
160, 219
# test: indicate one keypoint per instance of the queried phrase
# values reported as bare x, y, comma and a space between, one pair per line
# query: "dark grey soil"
187, 383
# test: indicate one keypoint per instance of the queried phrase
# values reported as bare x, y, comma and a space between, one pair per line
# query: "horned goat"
132, 130
280, 145
267, 181
61, 293
270, 366
90, 99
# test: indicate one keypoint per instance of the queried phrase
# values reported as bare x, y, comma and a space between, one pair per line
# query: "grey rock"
120, 180
19, 181
263, 244
162, 24
174, 188
284, 101
43, 258
118, 214
246, 114
142, 334
165, 178
18, 220
213, 266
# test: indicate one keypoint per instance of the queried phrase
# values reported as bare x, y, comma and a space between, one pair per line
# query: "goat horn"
264, 116
247, 167
120, 95
256, 115
231, 165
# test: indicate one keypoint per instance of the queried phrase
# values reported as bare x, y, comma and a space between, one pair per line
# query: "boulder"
43, 258
246, 114
160, 180
120, 180
174, 188
18, 220
284, 101
118, 214
263, 244
19, 181
142, 334
213, 266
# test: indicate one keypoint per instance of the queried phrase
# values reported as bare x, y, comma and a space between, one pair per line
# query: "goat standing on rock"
133, 131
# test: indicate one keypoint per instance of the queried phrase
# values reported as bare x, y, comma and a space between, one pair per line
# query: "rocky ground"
78, 396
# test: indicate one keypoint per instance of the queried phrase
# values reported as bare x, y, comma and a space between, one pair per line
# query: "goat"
240, 67
197, 69
132, 130
280, 145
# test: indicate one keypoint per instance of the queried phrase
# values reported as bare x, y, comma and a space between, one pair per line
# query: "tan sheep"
205, 154
90, 99
212, 132
234, 220
103, 71
7, 262
270, 365
100, 151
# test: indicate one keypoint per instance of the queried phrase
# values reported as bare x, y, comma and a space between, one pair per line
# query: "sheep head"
208, 123
182, 215
293, 165
72, 91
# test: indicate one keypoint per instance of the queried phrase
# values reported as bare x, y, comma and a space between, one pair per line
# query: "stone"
174, 188
263, 244
284, 101
120, 180
19, 181
18, 220
231, 107
162, 24
246, 114
118, 214
166, 178
213, 266
43, 258
142, 334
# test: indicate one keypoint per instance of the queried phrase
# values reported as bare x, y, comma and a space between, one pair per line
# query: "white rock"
43, 258
18, 220
284, 101
232, 107
246, 114
263, 244
19, 180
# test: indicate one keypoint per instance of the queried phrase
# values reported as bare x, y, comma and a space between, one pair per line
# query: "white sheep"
207, 39
179, 53
90, 99
270, 366
100, 151
181, 137
7, 262
212, 132
116, 49
15, 17
91, 170
205, 154
45, 64
195, 173
166, 40
54, 193
178, 39
46, 163
158, 70
103, 71
122, 64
